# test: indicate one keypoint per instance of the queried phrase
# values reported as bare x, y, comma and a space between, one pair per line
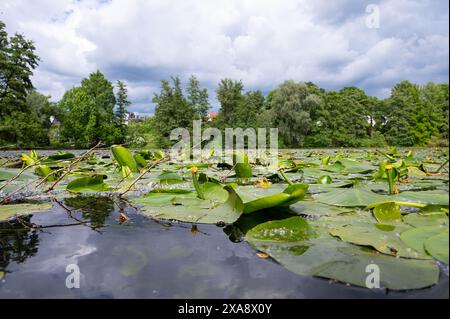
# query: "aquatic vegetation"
325, 213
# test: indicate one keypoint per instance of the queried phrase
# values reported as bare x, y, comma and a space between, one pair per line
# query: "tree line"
305, 114
309, 116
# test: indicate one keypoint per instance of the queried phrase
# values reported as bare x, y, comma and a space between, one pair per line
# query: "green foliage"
142, 133
23, 121
87, 113
231, 99
173, 109
198, 98
121, 111
305, 114
292, 104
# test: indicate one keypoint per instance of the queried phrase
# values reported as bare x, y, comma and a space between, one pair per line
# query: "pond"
148, 257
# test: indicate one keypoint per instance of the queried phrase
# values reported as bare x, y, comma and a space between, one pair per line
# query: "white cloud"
260, 42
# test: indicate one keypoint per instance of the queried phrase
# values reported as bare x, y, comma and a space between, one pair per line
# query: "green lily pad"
437, 246
188, 208
87, 184
384, 239
416, 237
59, 156
350, 166
254, 199
430, 219
6, 175
350, 197
8, 211
170, 178
424, 197
313, 208
308, 253
387, 212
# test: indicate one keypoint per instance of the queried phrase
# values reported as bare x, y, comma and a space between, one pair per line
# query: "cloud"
261, 42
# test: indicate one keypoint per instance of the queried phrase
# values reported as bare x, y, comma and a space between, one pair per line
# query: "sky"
369, 44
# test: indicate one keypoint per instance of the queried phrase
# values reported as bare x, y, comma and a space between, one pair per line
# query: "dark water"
143, 258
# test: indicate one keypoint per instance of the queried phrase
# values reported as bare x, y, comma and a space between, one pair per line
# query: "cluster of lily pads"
322, 213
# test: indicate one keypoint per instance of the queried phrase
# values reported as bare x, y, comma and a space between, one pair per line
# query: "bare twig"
12, 179
145, 171
442, 166
223, 178
69, 167
72, 164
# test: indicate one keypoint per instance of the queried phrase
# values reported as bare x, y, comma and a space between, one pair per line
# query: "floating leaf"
170, 178
424, 197
59, 156
313, 208
185, 206
437, 246
87, 184
430, 219
350, 197
384, 239
257, 199
8, 211
416, 237
307, 254
387, 212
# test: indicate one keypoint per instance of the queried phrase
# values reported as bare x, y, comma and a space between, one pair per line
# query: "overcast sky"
262, 42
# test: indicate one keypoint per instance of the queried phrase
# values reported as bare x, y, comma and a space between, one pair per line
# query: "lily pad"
8, 211
425, 197
416, 237
307, 254
290, 195
350, 197
387, 212
170, 178
188, 208
430, 219
87, 184
313, 208
384, 239
437, 246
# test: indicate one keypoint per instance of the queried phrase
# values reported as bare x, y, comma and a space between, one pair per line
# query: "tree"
291, 104
246, 116
172, 110
198, 99
231, 99
406, 121
18, 124
87, 113
121, 112
436, 104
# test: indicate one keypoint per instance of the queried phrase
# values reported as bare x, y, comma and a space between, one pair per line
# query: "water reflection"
144, 258
93, 209
17, 243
